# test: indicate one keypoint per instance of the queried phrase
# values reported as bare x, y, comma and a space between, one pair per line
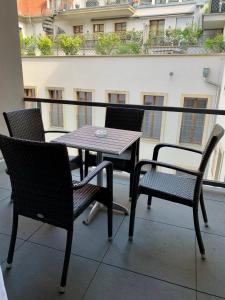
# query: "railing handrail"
206, 111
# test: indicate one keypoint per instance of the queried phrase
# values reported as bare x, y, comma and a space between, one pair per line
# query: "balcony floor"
163, 262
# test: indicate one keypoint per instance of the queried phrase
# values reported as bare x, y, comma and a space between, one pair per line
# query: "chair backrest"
40, 178
124, 118
213, 140
25, 124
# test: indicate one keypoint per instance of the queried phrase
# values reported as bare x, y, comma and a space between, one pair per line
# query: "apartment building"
94, 16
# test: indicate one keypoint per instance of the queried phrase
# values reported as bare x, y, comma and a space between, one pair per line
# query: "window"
78, 29
30, 93
84, 115
98, 28
182, 23
160, 1
157, 27
56, 110
152, 119
120, 27
192, 125
117, 98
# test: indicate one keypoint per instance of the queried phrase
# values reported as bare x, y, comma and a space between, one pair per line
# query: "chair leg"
110, 220
85, 169
149, 202
132, 217
81, 172
12, 241
131, 185
204, 214
66, 261
198, 232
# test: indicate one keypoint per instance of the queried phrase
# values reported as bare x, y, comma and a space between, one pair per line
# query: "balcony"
216, 18
162, 262
99, 9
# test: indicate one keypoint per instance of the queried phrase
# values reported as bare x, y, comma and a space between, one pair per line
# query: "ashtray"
101, 133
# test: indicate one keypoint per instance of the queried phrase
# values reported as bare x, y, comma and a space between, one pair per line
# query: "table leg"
97, 206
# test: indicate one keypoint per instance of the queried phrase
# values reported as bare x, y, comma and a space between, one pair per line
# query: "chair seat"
169, 186
83, 197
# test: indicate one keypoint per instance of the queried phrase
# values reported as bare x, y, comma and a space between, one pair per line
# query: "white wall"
134, 75
11, 85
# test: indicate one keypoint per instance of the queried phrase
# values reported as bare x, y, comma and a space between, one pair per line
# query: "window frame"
206, 125
163, 120
120, 23
99, 26
77, 106
49, 106
126, 93
31, 104
78, 26
157, 32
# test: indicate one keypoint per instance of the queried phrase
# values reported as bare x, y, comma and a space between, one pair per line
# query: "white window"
118, 98
84, 114
56, 110
192, 125
30, 93
152, 119
184, 22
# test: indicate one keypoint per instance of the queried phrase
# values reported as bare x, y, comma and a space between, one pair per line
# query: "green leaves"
215, 44
45, 45
70, 45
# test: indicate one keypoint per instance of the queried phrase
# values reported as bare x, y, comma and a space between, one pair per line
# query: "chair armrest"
154, 164
56, 131
162, 145
109, 169
141, 163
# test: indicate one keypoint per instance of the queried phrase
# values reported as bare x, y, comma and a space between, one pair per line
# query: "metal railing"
125, 43
217, 6
170, 109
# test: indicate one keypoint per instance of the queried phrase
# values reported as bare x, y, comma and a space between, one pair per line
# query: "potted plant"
45, 45
70, 45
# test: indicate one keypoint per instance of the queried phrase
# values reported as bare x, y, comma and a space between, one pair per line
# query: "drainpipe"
205, 75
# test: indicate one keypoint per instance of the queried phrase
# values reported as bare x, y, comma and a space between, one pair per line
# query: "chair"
184, 189
127, 119
27, 124
43, 189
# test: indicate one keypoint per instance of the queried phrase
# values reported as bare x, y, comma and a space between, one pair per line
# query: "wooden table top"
116, 141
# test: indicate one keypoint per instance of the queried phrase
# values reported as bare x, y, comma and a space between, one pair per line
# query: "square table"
116, 142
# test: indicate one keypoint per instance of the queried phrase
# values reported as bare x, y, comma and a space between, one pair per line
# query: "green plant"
215, 44
29, 44
129, 48
188, 36
45, 45
106, 43
70, 45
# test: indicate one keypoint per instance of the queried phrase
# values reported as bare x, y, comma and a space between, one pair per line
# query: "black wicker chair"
127, 119
27, 124
184, 189
43, 189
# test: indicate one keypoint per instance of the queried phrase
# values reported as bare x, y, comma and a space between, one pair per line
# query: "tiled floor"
162, 262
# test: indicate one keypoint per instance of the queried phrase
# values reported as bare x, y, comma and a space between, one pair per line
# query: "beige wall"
11, 84
135, 76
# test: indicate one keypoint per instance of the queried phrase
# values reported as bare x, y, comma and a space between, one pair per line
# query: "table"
3, 295
116, 142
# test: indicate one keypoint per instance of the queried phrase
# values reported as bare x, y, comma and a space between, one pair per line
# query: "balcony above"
214, 21
99, 9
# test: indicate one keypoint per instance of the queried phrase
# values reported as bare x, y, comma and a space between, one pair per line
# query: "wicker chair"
43, 190
186, 189
127, 119
27, 124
